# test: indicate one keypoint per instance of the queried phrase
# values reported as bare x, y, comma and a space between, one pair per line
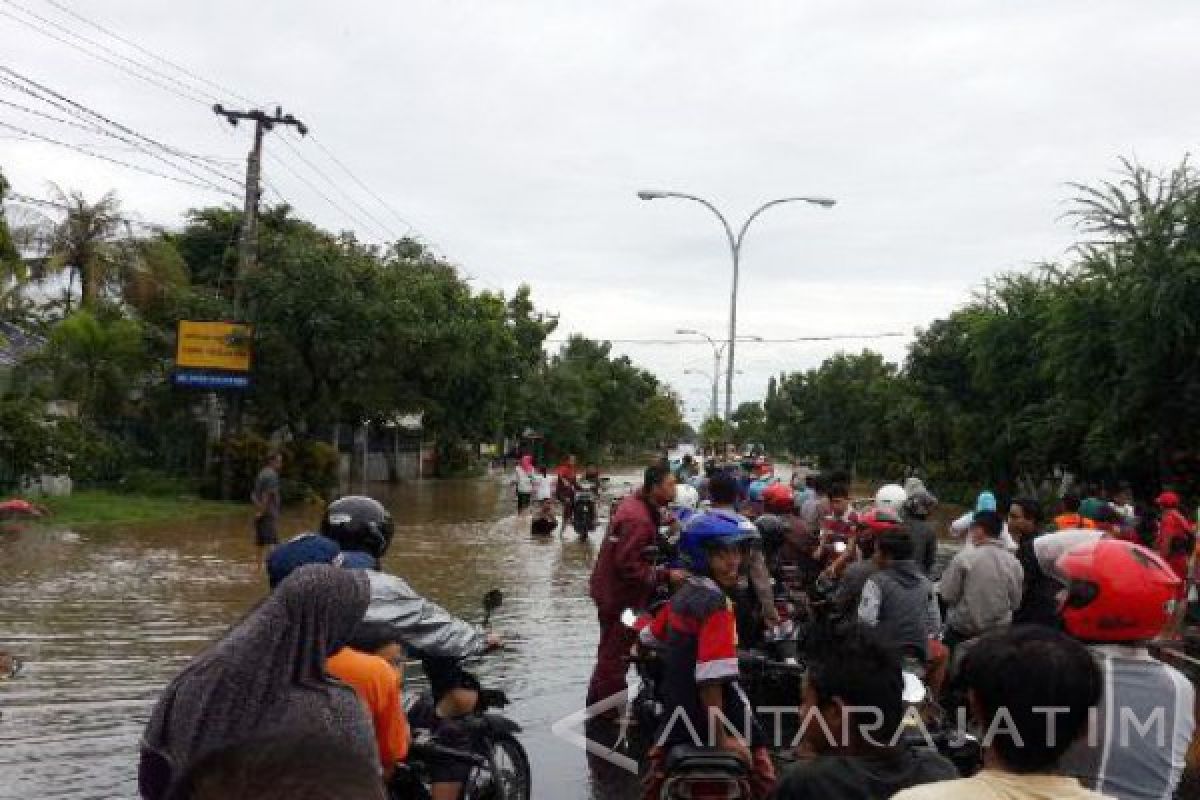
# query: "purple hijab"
267, 674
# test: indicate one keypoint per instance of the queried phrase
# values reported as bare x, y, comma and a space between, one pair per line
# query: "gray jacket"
899, 603
424, 625
982, 587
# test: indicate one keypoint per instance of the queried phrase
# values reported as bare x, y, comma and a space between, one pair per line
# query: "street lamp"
712, 376
735, 249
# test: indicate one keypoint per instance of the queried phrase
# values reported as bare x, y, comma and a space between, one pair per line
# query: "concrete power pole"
248, 246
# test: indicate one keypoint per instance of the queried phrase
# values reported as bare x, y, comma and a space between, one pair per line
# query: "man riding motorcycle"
1120, 596
697, 629
362, 530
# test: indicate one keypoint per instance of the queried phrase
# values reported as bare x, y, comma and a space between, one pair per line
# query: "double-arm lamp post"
735, 248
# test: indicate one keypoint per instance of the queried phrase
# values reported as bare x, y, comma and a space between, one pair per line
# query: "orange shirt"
1065, 522
378, 686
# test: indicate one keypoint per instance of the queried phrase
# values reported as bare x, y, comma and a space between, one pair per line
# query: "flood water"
104, 617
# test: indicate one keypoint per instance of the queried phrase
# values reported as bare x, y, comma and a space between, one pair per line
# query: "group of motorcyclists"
722, 564
859, 579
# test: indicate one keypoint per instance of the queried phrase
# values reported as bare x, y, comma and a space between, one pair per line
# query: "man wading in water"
267, 502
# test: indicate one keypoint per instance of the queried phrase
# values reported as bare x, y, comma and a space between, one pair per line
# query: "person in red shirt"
566, 484
1176, 536
622, 577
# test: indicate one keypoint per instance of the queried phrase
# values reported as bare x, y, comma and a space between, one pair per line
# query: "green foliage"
95, 361
586, 402
1091, 366
246, 453
749, 424
712, 431
32, 444
310, 471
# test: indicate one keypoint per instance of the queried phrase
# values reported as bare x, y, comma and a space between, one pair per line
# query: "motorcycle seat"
686, 757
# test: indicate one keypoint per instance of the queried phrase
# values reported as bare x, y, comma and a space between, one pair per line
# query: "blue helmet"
307, 548
313, 548
755, 491
714, 528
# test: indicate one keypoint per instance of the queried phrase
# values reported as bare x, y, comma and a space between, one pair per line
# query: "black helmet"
773, 531
358, 523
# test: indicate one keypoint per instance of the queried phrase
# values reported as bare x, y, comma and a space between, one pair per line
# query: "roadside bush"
246, 453
310, 471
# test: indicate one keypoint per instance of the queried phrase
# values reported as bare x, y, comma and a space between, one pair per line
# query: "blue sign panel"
211, 381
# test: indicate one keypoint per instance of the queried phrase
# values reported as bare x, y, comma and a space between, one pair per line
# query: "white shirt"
524, 481
543, 487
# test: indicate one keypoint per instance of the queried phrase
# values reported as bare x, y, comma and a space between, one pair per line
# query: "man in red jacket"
1176, 537
622, 577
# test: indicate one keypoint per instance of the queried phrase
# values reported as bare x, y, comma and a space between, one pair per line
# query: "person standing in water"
523, 478
267, 502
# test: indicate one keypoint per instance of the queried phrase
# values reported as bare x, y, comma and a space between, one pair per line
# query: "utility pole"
248, 246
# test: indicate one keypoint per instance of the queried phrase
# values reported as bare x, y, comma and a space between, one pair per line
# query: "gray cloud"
514, 135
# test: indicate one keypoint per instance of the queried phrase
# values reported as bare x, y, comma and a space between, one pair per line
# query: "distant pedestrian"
267, 502
523, 478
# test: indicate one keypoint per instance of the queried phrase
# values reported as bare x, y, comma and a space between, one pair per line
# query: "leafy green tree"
98, 361
749, 424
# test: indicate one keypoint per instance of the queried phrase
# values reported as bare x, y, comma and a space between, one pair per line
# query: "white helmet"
686, 496
891, 496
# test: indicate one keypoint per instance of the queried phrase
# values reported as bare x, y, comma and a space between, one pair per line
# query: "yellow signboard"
213, 345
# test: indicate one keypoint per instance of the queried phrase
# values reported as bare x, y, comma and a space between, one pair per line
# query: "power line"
77, 109
37, 201
193, 97
280, 162
225, 90
131, 143
362, 185
381, 226
748, 341
126, 164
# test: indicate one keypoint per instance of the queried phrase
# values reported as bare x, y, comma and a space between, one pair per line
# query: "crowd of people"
1038, 627
1033, 611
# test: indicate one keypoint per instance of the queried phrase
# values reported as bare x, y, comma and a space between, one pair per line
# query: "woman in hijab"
266, 675
524, 481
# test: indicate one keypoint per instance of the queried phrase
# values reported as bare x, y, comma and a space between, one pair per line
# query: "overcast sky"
514, 135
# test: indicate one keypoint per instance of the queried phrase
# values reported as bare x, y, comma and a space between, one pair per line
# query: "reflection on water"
103, 618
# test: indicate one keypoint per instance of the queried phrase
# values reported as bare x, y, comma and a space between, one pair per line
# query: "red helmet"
878, 521
779, 498
1168, 500
1117, 591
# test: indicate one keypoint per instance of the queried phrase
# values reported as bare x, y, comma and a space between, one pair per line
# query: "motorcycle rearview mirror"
914, 690
493, 600
628, 618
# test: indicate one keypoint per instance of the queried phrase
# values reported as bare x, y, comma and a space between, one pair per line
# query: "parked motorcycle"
499, 765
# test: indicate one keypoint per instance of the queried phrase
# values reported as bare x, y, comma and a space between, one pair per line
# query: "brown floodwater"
103, 617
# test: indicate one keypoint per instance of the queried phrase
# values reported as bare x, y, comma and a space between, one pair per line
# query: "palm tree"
86, 243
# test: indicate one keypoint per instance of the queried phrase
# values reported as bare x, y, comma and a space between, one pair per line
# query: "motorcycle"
698, 772
583, 515
498, 763
926, 726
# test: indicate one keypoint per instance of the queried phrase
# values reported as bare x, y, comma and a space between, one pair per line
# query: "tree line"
1089, 367
345, 333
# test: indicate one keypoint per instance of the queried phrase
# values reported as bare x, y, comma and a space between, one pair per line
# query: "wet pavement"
104, 617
